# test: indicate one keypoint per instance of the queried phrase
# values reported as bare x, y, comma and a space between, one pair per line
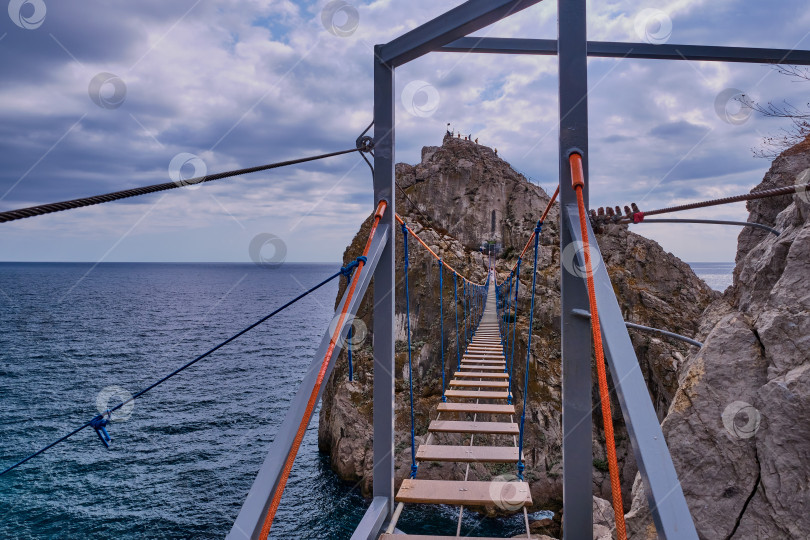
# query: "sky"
103, 95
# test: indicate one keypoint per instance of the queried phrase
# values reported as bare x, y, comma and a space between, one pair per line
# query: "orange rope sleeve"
578, 181
313, 398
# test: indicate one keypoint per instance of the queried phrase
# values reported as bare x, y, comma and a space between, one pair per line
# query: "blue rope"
410, 366
455, 293
521, 466
464, 295
514, 324
348, 271
505, 310
441, 321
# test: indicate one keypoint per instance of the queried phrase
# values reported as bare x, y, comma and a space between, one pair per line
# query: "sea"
77, 337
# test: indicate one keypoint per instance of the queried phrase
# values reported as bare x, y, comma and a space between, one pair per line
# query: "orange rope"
578, 182
313, 398
402, 222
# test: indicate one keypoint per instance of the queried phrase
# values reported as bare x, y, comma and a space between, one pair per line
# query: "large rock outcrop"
737, 428
459, 196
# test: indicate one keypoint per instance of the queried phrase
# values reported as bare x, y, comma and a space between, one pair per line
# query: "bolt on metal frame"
448, 33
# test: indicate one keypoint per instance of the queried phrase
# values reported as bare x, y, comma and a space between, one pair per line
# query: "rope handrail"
435, 255
441, 328
578, 182
100, 421
521, 466
313, 398
414, 466
43, 209
514, 325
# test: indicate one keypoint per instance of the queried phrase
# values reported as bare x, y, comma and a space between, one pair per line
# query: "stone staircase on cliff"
482, 377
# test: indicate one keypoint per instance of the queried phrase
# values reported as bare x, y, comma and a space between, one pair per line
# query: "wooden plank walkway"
482, 377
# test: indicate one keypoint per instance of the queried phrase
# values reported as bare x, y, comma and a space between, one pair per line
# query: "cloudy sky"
103, 95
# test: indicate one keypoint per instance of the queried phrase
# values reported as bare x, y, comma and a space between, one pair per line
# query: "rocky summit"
732, 412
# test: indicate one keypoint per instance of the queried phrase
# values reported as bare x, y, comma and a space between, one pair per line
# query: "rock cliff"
460, 195
737, 427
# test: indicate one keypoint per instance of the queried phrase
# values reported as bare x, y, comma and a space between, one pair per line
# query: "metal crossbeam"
465, 19
249, 522
618, 49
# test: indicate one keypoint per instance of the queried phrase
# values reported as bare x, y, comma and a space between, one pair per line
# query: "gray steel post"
384, 284
664, 494
576, 342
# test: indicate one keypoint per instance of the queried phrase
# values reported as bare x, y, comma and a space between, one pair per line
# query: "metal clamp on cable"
364, 142
99, 424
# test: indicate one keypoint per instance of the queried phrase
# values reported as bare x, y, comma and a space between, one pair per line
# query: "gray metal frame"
447, 33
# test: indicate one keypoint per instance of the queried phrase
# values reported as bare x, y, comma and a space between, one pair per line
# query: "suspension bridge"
478, 400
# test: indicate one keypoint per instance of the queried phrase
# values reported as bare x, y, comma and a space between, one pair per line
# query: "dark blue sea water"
182, 463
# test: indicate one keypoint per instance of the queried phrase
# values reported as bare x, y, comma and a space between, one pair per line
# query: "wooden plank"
481, 408
456, 426
482, 374
483, 367
513, 494
483, 394
481, 384
465, 454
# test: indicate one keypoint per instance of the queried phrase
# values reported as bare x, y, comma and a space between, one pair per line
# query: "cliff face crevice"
737, 428
465, 195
